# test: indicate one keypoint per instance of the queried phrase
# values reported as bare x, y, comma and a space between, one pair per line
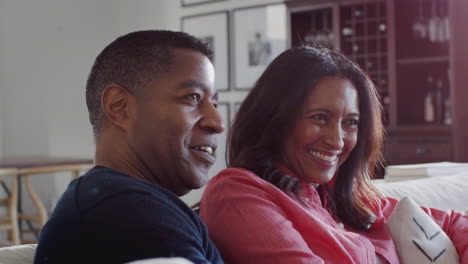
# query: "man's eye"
194, 97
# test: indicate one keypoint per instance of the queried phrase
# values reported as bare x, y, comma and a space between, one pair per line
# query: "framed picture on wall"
213, 28
197, 2
260, 34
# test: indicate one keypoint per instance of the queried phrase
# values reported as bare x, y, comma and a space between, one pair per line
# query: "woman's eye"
352, 122
321, 117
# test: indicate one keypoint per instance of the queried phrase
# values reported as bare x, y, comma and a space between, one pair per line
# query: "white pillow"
21, 254
440, 192
418, 239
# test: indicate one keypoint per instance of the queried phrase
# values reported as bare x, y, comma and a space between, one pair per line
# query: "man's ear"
118, 105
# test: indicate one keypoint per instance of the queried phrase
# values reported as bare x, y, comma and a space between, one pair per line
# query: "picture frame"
260, 34
213, 28
197, 2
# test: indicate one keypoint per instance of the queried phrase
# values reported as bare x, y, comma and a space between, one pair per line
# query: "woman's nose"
335, 137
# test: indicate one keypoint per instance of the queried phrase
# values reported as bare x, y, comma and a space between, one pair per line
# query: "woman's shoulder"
236, 181
236, 176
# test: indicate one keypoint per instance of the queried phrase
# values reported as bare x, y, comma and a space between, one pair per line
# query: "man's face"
176, 122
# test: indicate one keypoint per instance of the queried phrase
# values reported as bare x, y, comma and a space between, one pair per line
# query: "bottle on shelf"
438, 101
447, 112
428, 108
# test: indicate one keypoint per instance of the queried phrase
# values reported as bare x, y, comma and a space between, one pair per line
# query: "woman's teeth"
322, 156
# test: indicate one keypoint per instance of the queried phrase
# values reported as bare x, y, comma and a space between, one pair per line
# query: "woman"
302, 150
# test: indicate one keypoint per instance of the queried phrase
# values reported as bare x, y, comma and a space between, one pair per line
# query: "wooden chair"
36, 221
9, 222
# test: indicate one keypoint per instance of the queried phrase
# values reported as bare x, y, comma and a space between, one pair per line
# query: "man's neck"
116, 154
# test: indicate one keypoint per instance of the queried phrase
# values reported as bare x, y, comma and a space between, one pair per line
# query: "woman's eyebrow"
319, 109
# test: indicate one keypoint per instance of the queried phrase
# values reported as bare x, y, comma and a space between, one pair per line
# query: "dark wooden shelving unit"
409, 68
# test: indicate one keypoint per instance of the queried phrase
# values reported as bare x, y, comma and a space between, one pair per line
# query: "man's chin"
200, 181
201, 175
193, 180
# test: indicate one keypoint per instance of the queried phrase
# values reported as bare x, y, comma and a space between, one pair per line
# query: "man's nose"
212, 120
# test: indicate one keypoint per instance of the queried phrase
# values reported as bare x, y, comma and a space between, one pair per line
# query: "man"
152, 105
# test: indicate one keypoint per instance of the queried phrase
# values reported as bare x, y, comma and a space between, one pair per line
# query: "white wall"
2, 111
75, 32
47, 48
149, 14
23, 96
46, 51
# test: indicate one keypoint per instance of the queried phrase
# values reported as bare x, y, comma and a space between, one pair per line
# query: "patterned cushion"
418, 239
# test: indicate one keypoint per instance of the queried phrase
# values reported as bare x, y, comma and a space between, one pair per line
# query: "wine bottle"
447, 112
438, 102
428, 108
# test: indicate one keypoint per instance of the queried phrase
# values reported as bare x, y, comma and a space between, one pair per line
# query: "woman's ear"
118, 105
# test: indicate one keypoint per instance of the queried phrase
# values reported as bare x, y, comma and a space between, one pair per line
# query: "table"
27, 166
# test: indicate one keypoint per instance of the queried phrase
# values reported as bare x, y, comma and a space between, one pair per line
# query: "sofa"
449, 192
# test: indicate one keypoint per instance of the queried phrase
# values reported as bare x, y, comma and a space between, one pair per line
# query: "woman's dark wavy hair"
255, 140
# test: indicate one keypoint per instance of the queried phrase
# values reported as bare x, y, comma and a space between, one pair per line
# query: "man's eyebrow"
198, 85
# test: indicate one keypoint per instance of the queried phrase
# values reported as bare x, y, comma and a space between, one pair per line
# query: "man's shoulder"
105, 185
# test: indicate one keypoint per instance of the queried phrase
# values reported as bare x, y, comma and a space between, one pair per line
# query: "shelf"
419, 76
356, 38
368, 55
428, 130
364, 20
423, 60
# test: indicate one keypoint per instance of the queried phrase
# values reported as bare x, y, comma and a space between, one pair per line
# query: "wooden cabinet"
415, 52
409, 149
429, 81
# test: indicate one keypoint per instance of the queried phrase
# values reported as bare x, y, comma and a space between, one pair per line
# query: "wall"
47, 48
1, 121
149, 14
20, 78
76, 31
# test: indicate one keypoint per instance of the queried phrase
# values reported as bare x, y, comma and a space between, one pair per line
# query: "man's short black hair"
133, 61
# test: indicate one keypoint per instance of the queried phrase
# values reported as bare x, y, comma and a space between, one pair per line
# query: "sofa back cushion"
21, 254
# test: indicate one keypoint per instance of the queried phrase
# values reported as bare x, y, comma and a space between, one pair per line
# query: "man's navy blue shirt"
109, 217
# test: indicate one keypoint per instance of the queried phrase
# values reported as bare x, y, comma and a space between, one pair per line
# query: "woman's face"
325, 131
